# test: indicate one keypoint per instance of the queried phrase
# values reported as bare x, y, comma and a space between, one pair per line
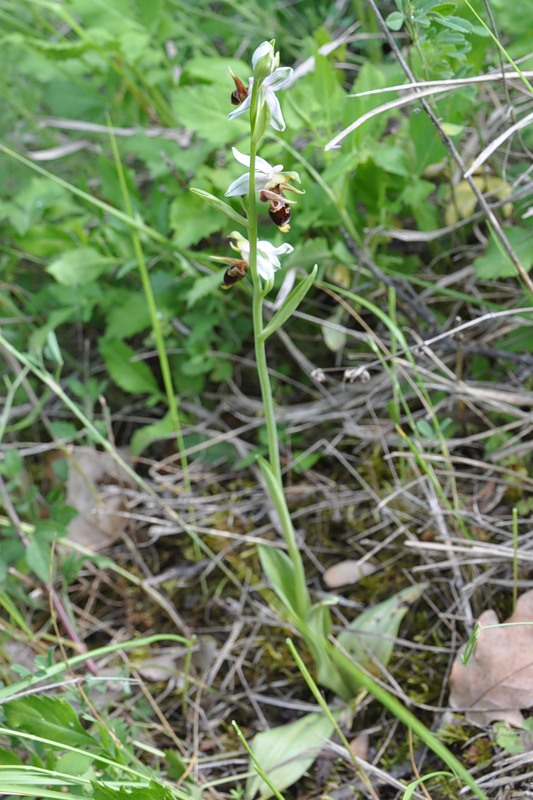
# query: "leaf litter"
497, 681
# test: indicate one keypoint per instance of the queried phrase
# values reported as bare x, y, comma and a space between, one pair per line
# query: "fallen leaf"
497, 681
95, 489
360, 745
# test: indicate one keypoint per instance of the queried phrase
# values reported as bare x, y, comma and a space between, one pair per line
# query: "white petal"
240, 157
264, 49
276, 117
261, 165
265, 246
240, 186
265, 267
244, 106
283, 249
279, 78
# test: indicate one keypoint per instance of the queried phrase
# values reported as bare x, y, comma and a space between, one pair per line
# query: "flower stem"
276, 492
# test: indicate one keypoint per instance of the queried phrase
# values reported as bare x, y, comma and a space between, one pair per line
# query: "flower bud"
264, 61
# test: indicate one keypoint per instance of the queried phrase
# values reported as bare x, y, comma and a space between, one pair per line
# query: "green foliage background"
156, 73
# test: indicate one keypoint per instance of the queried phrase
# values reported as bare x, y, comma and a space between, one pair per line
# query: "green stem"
257, 313
273, 476
357, 679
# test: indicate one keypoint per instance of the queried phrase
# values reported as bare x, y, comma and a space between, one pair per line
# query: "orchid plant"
259, 259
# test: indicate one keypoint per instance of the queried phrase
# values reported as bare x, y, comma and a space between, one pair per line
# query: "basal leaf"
371, 636
278, 568
287, 752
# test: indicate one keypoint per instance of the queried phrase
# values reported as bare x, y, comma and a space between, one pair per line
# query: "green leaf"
50, 718
410, 789
318, 629
154, 791
371, 636
8, 758
145, 436
134, 377
496, 264
334, 338
204, 109
286, 753
215, 69
127, 315
291, 304
74, 763
38, 555
191, 220
203, 287
79, 266
279, 571
454, 23
221, 206
395, 21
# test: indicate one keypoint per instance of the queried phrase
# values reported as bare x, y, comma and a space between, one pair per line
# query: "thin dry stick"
450, 146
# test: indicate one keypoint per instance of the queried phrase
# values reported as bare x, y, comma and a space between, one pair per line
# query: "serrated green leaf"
191, 220
371, 637
221, 206
134, 377
291, 304
127, 316
204, 109
79, 266
48, 717
286, 753
496, 264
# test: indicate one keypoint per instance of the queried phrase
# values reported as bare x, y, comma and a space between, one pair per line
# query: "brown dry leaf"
498, 680
360, 745
95, 488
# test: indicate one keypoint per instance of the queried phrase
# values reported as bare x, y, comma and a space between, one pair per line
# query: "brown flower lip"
240, 93
278, 210
235, 273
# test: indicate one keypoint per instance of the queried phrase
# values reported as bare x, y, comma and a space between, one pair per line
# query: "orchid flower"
266, 176
267, 255
271, 77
